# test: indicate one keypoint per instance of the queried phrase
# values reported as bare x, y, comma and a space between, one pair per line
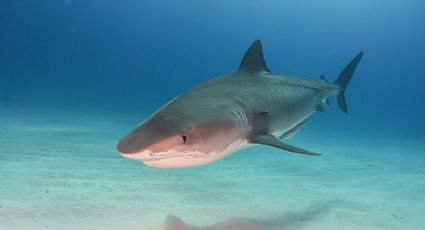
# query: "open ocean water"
76, 76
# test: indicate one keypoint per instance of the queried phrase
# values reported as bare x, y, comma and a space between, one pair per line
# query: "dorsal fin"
253, 61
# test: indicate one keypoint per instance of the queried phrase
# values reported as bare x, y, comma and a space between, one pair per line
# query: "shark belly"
292, 107
289, 120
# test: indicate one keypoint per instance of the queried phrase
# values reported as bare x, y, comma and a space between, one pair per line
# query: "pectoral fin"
266, 139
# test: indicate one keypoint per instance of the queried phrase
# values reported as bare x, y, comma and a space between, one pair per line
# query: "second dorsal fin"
253, 61
323, 79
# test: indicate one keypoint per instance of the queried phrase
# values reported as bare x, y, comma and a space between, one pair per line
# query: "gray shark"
247, 107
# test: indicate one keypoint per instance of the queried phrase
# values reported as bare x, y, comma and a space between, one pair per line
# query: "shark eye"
184, 139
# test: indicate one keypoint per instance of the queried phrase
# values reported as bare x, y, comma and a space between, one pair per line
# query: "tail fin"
343, 80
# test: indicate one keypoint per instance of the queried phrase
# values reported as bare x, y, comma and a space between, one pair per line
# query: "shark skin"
223, 115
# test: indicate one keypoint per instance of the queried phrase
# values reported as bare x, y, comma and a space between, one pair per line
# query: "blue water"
124, 59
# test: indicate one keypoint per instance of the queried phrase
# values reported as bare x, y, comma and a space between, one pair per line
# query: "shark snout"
130, 144
123, 148
138, 146
127, 150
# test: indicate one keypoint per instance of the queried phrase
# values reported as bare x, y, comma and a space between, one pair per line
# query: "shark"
250, 106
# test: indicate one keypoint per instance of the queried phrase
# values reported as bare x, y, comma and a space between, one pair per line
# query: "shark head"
198, 127
174, 138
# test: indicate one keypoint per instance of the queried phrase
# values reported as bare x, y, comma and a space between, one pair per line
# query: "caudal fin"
343, 80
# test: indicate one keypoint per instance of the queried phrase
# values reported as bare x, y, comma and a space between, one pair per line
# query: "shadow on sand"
289, 221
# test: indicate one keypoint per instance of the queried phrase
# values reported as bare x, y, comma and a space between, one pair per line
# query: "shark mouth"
176, 159
156, 156
173, 159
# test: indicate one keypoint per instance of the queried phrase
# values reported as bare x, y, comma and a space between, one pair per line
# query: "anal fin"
267, 139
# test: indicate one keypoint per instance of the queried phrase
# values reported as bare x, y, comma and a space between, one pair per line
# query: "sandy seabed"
61, 171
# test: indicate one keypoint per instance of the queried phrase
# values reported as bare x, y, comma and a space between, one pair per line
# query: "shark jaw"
186, 159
